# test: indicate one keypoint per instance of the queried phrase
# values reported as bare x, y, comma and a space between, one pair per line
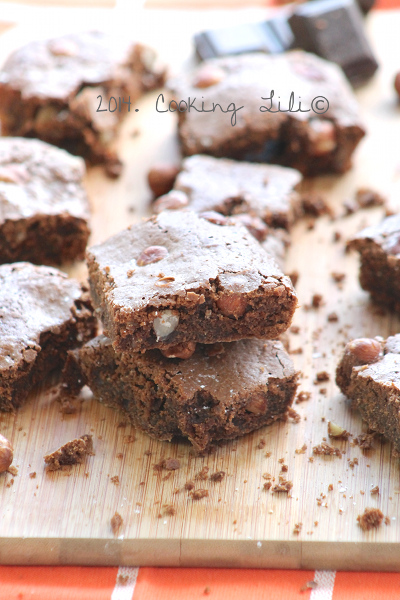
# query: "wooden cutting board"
64, 517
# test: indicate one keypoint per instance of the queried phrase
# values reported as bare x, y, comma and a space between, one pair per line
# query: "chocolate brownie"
44, 210
379, 248
70, 453
231, 187
223, 391
50, 90
369, 374
310, 142
43, 314
179, 278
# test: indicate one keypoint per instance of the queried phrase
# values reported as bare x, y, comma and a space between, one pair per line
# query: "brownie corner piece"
369, 374
180, 278
43, 314
44, 210
221, 392
379, 249
269, 127
59, 90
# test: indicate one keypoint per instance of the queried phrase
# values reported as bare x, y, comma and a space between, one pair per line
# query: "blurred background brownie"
222, 392
379, 248
43, 314
44, 211
319, 138
55, 89
179, 278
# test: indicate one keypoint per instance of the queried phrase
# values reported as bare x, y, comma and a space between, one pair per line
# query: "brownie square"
179, 278
312, 142
44, 209
222, 392
43, 314
232, 187
379, 248
49, 90
369, 374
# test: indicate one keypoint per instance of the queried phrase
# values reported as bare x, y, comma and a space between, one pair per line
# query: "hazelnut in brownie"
379, 248
369, 374
178, 278
221, 392
312, 142
43, 314
51, 90
231, 187
44, 209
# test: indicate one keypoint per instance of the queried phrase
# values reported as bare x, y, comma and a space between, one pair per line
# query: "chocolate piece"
374, 386
270, 36
179, 278
71, 453
204, 398
43, 314
44, 209
60, 91
379, 248
311, 142
231, 188
334, 29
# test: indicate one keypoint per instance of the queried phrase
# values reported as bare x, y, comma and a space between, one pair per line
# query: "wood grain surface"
64, 517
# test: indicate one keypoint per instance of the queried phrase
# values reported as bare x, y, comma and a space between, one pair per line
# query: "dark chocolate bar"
334, 30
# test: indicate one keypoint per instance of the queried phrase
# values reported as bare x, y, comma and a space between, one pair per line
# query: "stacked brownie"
189, 308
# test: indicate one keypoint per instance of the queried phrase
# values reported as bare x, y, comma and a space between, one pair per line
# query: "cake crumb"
370, 519
116, 522
32, 475
261, 444
338, 277
317, 301
322, 376
218, 476
375, 490
332, 317
199, 494
387, 521
122, 579
115, 480
203, 474
12, 470
71, 453
207, 590
169, 510
297, 528
267, 486
303, 397
330, 487
283, 486
119, 455
310, 585
364, 441
294, 415
301, 450
327, 450
189, 486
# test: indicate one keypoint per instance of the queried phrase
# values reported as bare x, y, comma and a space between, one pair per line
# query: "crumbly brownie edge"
44, 239
272, 308
51, 356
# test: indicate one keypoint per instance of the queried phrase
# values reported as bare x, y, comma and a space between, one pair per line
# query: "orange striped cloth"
89, 583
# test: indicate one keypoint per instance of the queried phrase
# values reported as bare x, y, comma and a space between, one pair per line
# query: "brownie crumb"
116, 522
189, 485
387, 521
32, 475
310, 585
338, 277
218, 476
115, 480
315, 205
294, 276
284, 468
370, 519
119, 455
283, 486
364, 441
330, 487
303, 397
203, 474
337, 236
366, 198
332, 317
297, 528
122, 579
301, 450
207, 591
327, 450
353, 462
294, 329
169, 510
171, 464
267, 485
294, 415
322, 376
12, 470
199, 494
261, 444
317, 301
375, 490
71, 453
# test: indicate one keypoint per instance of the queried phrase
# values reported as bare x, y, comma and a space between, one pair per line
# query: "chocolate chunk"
334, 30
